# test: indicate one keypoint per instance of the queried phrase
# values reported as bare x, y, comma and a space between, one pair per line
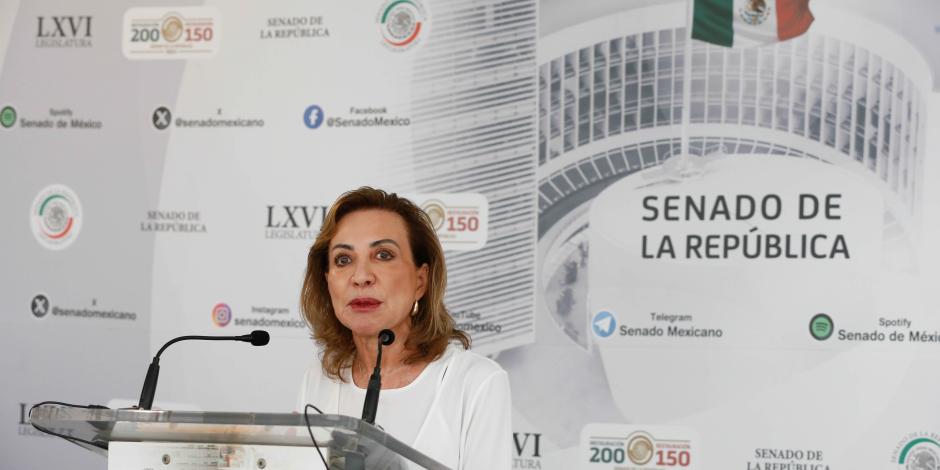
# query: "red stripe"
410, 38
62, 234
793, 18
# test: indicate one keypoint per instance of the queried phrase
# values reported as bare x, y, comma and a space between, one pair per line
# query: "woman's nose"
363, 275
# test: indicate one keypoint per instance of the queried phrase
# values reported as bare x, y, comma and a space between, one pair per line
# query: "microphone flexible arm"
156, 357
256, 338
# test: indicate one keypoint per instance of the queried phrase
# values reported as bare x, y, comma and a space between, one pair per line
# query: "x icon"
161, 118
40, 305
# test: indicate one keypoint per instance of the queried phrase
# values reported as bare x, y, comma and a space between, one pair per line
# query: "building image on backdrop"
610, 114
684, 254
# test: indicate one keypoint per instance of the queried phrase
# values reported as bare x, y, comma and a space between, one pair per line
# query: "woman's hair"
432, 328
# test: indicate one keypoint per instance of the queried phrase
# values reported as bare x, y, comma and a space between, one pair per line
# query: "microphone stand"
371, 404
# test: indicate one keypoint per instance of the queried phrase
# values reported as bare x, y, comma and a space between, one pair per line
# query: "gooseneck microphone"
256, 338
371, 404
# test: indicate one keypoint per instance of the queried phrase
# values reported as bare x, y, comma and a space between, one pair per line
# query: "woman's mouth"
364, 304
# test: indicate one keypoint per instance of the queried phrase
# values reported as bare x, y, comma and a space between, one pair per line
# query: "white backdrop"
166, 168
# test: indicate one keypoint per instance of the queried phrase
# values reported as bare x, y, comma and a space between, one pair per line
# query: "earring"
414, 310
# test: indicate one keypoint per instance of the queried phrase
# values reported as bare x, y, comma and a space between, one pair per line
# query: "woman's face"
372, 277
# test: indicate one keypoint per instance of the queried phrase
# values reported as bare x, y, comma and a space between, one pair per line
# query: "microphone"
371, 404
256, 338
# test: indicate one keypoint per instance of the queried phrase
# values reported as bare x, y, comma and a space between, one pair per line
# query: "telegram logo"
604, 324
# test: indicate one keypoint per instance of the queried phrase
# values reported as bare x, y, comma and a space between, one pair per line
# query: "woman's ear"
422, 284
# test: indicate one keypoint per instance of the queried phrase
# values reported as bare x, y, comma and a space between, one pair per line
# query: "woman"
377, 264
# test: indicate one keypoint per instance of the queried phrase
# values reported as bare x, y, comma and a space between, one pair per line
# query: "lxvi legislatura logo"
63, 31
527, 450
294, 222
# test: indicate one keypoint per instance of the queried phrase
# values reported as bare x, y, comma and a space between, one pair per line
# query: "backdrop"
686, 255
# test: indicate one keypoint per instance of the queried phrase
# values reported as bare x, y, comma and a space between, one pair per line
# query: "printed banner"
695, 234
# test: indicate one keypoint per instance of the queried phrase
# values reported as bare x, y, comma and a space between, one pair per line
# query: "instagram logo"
221, 314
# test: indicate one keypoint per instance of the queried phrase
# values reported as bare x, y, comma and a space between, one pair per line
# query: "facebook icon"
313, 116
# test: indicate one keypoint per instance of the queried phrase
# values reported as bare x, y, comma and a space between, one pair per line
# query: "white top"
457, 411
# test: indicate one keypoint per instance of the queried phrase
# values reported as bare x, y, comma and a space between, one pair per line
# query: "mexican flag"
745, 23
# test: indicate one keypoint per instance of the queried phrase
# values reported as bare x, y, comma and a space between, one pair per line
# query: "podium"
185, 440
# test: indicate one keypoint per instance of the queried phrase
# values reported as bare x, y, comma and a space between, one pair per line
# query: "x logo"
40, 305
161, 118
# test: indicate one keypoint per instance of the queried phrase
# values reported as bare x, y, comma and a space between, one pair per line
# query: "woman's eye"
384, 255
342, 260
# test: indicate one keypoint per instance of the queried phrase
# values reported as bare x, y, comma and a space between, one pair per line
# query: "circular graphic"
435, 212
56, 217
604, 324
401, 23
7, 117
922, 458
313, 116
221, 314
172, 28
39, 305
821, 326
161, 118
640, 450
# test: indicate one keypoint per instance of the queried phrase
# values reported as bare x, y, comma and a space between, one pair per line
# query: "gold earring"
414, 310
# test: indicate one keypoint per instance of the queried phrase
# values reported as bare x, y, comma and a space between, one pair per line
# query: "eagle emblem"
754, 12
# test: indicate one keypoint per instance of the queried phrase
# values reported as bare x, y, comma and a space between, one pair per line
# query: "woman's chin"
372, 330
365, 329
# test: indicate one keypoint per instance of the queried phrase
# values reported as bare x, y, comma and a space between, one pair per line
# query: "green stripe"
711, 21
389, 8
43, 206
913, 443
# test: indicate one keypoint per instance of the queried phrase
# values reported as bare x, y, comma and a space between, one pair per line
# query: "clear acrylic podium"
186, 440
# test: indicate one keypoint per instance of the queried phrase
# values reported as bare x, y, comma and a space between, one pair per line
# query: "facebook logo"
313, 116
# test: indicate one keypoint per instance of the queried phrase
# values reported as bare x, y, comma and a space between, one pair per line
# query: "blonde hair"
432, 327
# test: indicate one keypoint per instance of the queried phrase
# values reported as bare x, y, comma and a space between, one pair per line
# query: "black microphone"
371, 404
256, 338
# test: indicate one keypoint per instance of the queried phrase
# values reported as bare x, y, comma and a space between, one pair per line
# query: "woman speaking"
377, 264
